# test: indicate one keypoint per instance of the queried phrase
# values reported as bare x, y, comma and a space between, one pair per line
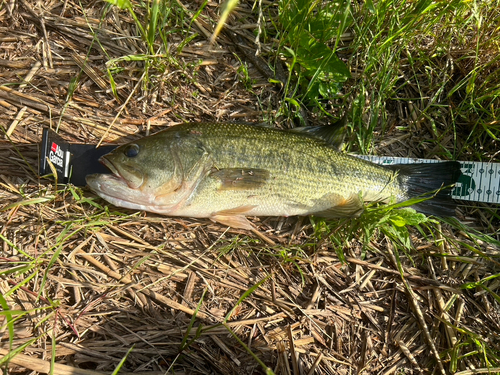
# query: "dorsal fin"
333, 134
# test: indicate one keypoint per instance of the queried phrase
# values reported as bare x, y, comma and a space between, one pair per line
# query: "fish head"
144, 174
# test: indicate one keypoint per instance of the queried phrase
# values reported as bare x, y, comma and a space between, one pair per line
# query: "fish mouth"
105, 184
125, 175
115, 190
108, 164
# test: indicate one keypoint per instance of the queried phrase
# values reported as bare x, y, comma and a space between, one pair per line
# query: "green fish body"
227, 171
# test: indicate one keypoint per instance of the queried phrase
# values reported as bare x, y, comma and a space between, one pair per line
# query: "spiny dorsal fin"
333, 134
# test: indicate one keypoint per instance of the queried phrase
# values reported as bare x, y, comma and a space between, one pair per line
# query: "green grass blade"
266, 369
8, 315
228, 7
191, 323
14, 352
122, 362
244, 296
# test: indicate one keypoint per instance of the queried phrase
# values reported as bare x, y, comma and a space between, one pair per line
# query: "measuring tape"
479, 182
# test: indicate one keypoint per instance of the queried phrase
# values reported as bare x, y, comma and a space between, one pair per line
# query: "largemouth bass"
227, 171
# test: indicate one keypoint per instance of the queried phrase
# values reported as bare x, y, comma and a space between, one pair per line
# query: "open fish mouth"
114, 189
115, 175
105, 161
128, 175
109, 184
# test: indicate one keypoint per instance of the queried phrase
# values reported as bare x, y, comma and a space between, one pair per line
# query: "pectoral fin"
235, 218
241, 178
351, 206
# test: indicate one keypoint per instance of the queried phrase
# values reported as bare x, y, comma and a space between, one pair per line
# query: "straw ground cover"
87, 288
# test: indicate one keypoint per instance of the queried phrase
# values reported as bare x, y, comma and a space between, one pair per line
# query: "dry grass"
94, 284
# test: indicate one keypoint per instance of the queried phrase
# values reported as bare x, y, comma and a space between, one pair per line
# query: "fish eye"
131, 151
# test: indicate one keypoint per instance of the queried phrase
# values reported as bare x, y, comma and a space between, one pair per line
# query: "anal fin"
351, 206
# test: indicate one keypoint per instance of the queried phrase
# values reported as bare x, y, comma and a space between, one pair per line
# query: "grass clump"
418, 63
309, 34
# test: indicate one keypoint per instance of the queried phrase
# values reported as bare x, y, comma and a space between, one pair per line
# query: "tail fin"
419, 179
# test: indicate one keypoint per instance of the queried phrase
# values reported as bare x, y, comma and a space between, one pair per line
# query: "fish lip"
116, 174
108, 164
